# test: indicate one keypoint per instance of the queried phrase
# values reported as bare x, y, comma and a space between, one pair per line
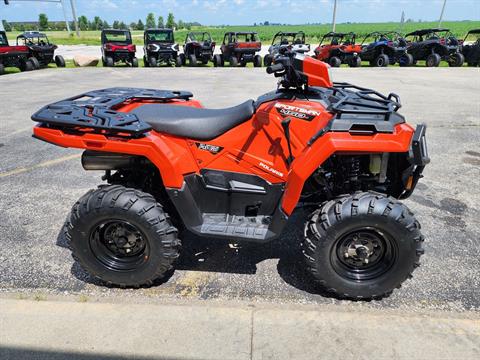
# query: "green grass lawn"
266, 33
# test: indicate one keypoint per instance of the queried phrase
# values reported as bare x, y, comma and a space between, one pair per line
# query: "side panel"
314, 156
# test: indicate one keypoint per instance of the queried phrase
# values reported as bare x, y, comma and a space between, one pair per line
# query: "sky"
246, 12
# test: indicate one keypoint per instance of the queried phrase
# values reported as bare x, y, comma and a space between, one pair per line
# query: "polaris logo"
272, 170
299, 113
214, 149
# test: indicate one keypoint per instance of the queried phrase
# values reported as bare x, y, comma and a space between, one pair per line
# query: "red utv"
13, 56
239, 48
117, 47
339, 48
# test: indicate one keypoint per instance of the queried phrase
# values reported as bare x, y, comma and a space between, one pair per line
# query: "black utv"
471, 51
433, 46
41, 51
160, 48
198, 47
383, 48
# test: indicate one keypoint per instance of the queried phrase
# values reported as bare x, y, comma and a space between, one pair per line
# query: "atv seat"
192, 122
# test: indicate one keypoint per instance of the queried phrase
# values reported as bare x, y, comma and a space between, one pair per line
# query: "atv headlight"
175, 47
153, 47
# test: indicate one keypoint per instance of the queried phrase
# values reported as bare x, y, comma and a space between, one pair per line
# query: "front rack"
97, 110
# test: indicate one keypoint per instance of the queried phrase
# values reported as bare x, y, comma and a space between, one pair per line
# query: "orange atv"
339, 48
238, 174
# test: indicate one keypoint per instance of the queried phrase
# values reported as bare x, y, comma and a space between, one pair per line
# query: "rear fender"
337, 142
169, 154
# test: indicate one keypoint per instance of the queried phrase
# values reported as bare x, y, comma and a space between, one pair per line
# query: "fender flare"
337, 142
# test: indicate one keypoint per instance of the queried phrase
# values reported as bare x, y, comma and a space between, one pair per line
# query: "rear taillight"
442, 41
108, 47
390, 43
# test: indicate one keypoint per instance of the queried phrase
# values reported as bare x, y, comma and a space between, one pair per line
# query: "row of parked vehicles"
33, 49
239, 48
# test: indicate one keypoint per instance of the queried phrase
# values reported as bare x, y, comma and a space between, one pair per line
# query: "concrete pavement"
73, 330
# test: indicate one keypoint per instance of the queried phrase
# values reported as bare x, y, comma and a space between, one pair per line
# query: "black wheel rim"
119, 245
363, 254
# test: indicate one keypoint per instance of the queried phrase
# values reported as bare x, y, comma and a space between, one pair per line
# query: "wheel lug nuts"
346, 255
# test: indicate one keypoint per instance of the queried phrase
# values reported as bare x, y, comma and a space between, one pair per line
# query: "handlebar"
275, 68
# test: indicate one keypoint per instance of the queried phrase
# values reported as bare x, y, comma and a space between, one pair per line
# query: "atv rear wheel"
109, 61
335, 61
362, 246
433, 60
152, 61
134, 62
217, 60
35, 62
192, 60
233, 61
456, 60
2, 69
257, 61
405, 60
381, 60
59, 61
122, 236
267, 60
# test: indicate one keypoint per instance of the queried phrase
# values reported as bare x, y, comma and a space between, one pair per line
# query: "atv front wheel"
26, 65
2, 69
267, 60
355, 62
109, 61
382, 60
257, 61
335, 61
362, 246
217, 60
433, 60
122, 236
134, 62
456, 60
35, 62
233, 61
152, 61
405, 60
192, 60
178, 62
60, 61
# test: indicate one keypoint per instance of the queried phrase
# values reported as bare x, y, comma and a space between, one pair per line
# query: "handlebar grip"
274, 68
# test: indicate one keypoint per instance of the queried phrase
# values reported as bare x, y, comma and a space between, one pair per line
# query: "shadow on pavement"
214, 255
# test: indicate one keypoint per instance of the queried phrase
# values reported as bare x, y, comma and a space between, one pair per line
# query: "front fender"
339, 142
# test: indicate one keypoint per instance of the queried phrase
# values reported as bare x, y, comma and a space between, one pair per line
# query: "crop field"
266, 33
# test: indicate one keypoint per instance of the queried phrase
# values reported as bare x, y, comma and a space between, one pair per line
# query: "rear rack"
96, 110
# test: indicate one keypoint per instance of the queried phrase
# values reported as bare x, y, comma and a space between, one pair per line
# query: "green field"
313, 32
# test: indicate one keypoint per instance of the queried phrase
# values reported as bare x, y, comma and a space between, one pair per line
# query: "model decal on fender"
272, 170
299, 113
214, 149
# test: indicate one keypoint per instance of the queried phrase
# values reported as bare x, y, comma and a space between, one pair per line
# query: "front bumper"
418, 158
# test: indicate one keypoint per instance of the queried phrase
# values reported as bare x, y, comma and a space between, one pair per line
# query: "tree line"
97, 23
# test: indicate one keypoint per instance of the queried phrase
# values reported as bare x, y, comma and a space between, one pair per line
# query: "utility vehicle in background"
239, 48
13, 56
117, 47
339, 48
383, 48
341, 152
160, 48
198, 47
295, 41
433, 46
41, 51
471, 51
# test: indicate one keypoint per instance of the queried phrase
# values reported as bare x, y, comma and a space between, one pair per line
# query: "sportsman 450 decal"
296, 112
214, 149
